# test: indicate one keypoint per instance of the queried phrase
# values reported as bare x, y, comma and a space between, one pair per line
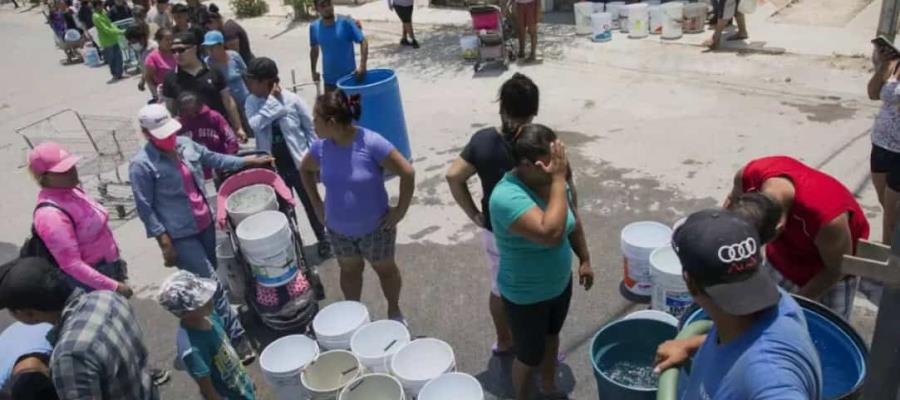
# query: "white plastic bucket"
654, 315
325, 377
282, 362
639, 240
583, 11
420, 361
452, 386
469, 45
373, 387
377, 341
250, 200
335, 324
694, 17
230, 272
91, 56
656, 19
599, 7
673, 18
601, 25
638, 20
670, 293
267, 243
616, 9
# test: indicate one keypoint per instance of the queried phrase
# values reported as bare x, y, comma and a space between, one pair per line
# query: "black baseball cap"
261, 68
28, 283
184, 39
722, 253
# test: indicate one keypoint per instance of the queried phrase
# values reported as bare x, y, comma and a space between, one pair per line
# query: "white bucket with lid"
377, 341
670, 293
616, 9
694, 17
654, 315
420, 361
673, 18
250, 200
282, 362
656, 19
583, 11
335, 324
601, 25
267, 243
638, 241
325, 377
638, 20
373, 387
452, 386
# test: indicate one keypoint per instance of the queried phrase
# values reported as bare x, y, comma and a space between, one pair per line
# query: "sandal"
501, 353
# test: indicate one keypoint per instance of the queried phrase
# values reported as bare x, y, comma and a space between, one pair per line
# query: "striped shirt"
99, 351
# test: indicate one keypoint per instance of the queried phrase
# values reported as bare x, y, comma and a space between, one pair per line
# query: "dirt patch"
823, 112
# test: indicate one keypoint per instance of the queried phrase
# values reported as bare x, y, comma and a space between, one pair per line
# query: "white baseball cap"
155, 118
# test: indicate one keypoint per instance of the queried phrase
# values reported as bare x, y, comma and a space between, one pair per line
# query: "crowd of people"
783, 228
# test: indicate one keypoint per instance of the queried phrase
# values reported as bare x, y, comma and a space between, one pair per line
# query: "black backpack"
34, 246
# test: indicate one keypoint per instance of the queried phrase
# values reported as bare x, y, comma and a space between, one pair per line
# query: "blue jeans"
113, 55
197, 254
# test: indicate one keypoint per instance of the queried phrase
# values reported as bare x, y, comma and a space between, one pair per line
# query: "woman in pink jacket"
72, 225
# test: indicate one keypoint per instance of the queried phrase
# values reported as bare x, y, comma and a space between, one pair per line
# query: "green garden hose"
668, 380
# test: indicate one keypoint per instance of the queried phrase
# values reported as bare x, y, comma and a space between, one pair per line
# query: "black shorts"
530, 324
405, 13
884, 161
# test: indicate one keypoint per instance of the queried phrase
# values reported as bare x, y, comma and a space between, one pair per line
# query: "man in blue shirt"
335, 35
759, 347
24, 355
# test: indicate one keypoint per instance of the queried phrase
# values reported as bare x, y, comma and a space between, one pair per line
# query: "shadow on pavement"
8, 252
441, 54
496, 379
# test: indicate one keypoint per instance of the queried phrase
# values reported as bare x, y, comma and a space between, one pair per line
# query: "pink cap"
50, 157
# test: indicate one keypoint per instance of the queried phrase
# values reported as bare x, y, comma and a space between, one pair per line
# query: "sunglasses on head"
179, 50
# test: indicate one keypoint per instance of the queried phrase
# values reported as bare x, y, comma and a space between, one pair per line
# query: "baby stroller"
492, 32
291, 306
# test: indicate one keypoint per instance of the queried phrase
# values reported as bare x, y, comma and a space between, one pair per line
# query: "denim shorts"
376, 246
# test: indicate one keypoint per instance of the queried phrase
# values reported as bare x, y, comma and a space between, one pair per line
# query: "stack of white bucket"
670, 20
364, 361
652, 272
264, 235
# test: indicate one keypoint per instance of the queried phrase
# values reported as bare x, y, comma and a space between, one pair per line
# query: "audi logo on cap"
738, 252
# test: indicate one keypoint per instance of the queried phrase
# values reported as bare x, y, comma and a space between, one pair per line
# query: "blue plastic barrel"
842, 351
630, 342
382, 107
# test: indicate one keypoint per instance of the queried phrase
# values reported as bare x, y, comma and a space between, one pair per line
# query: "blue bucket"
628, 342
382, 108
841, 350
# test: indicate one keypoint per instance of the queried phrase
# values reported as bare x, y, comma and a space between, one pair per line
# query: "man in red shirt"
820, 223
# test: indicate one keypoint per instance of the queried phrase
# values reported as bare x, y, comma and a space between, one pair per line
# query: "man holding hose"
759, 346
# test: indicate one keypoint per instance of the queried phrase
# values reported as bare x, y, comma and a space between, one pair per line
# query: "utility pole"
887, 22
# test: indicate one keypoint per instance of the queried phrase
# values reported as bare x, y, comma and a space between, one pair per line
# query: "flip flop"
735, 37
498, 353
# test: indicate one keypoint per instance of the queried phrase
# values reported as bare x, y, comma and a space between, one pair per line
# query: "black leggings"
530, 324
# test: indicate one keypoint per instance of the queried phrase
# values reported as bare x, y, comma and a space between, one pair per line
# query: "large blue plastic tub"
382, 107
628, 340
841, 350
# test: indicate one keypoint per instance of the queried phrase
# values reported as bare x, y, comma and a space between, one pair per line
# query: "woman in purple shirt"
361, 224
